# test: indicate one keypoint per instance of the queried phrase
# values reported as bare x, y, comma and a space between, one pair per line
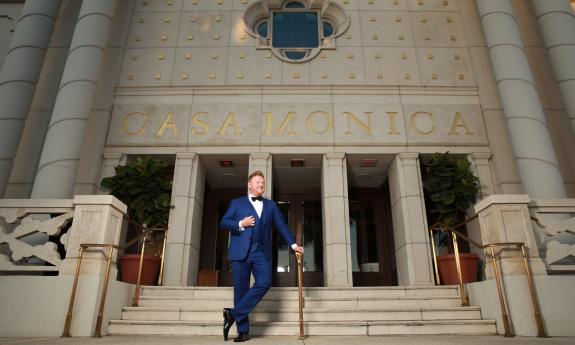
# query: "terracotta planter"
130, 263
448, 268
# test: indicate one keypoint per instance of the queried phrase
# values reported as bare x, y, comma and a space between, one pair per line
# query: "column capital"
408, 155
186, 155
185, 158
113, 155
334, 156
260, 155
480, 156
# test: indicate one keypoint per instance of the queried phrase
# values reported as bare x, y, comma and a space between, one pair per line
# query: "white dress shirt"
259, 207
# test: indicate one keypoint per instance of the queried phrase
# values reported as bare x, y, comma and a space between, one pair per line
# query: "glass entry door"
303, 214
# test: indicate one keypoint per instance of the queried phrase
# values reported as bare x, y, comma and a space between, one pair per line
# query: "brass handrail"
299, 257
85, 246
464, 299
68, 322
157, 227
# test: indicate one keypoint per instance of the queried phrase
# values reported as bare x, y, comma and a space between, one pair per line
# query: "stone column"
337, 242
185, 224
57, 168
19, 75
526, 123
557, 24
111, 161
263, 161
481, 169
480, 163
505, 218
412, 246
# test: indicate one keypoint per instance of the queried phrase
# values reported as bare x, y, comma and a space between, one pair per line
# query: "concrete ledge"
501, 199
100, 200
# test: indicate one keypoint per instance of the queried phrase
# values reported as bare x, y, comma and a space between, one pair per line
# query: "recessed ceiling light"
297, 163
368, 163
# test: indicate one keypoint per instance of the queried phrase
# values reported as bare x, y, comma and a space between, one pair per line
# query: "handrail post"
504, 314
66, 332
136, 299
437, 280
464, 300
537, 314
300, 292
161, 275
97, 330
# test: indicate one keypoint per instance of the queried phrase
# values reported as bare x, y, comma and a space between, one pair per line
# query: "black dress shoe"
228, 322
242, 337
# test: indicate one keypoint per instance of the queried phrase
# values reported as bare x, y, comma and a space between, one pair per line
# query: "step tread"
309, 310
438, 287
316, 323
283, 298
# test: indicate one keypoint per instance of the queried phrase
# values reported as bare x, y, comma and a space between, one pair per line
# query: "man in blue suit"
250, 219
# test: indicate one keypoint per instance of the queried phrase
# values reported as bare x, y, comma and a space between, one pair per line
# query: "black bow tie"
254, 198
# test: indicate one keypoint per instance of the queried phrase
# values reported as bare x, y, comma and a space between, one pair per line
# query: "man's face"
256, 185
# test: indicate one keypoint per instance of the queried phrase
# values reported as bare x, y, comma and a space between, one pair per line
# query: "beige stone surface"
292, 340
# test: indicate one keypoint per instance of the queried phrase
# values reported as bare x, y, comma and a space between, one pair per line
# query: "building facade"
338, 102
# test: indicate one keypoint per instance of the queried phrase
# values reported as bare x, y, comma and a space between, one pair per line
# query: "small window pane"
295, 30
294, 55
295, 4
327, 29
263, 29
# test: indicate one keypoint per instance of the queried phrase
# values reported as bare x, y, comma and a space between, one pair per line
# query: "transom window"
296, 30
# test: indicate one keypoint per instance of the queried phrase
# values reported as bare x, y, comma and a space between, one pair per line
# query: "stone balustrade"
31, 230
554, 226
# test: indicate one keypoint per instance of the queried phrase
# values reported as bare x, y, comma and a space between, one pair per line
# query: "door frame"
387, 275
295, 221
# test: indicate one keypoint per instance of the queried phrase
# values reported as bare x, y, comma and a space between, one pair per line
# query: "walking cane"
300, 291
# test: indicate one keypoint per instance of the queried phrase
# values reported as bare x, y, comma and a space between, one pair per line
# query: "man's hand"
298, 249
248, 221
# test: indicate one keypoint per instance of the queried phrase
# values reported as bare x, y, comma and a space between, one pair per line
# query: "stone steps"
431, 327
275, 315
328, 311
292, 303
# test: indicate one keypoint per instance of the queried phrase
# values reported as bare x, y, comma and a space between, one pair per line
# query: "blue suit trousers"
246, 298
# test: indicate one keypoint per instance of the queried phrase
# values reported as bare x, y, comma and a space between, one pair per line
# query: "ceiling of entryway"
359, 176
286, 176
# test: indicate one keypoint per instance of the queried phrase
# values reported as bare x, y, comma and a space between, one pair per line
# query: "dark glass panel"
327, 29
263, 29
294, 55
295, 30
295, 4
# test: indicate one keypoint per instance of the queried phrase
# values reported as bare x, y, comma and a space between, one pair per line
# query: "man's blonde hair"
256, 173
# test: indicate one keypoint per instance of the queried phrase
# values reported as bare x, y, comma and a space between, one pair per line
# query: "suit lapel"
251, 207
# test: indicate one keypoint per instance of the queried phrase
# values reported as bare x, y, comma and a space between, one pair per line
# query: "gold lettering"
458, 122
286, 122
392, 122
229, 121
169, 122
328, 122
366, 127
197, 121
127, 118
413, 122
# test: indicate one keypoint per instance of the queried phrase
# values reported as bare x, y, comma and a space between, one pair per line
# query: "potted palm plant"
142, 185
450, 188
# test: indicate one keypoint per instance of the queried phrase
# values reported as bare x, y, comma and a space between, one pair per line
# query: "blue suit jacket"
240, 241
